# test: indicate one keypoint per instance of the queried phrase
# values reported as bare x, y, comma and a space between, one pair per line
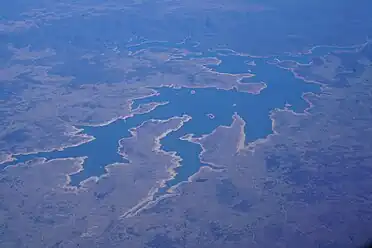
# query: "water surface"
282, 88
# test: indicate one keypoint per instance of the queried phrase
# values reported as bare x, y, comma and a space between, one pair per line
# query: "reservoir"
282, 89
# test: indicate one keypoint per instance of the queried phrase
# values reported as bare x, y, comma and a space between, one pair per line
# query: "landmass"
279, 180
297, 173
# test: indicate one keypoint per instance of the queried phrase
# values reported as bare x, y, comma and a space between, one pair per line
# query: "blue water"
282, 88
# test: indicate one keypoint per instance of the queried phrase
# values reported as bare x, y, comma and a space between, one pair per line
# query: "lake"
283, 89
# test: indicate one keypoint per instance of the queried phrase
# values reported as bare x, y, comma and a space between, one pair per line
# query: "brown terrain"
294, 187
307, 184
